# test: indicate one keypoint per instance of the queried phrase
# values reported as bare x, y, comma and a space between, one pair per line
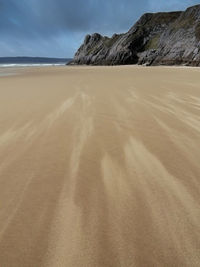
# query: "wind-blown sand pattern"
100, 166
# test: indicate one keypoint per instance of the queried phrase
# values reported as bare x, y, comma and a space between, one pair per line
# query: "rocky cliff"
157, 38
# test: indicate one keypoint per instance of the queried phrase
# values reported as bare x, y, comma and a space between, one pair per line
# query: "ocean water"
8, 62
28, 65
8, 65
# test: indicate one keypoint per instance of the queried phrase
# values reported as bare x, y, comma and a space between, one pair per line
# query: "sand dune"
100, 166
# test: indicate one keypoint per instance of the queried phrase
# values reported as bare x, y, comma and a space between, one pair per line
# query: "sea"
32, 61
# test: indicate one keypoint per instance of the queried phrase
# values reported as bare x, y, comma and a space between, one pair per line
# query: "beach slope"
99, 166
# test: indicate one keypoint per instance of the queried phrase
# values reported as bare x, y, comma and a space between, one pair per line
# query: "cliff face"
157, 38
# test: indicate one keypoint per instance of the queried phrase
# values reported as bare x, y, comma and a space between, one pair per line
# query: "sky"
56, 28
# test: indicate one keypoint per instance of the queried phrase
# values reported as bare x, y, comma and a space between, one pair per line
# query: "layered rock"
166, 38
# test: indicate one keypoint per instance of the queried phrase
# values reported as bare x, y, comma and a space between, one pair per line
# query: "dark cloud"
49, 16
56, 27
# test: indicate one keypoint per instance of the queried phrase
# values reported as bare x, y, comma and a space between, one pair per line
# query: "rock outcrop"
166, 38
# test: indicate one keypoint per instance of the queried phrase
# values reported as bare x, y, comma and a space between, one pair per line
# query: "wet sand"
100, 166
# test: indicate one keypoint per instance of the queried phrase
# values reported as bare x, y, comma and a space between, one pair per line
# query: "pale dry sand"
100, 166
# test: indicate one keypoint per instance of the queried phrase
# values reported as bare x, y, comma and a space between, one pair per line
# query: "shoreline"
46, 66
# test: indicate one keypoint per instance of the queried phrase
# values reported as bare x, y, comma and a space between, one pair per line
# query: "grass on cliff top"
153, 43
186, 23
109, 42
106, 43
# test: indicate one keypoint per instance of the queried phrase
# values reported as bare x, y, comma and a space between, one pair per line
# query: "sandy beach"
100, 166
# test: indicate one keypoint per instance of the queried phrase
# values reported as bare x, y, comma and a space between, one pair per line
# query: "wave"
31, 65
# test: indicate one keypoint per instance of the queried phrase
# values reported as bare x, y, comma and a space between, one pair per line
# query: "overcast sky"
56, 28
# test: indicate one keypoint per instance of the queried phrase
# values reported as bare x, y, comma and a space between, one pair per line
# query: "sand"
100, 166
